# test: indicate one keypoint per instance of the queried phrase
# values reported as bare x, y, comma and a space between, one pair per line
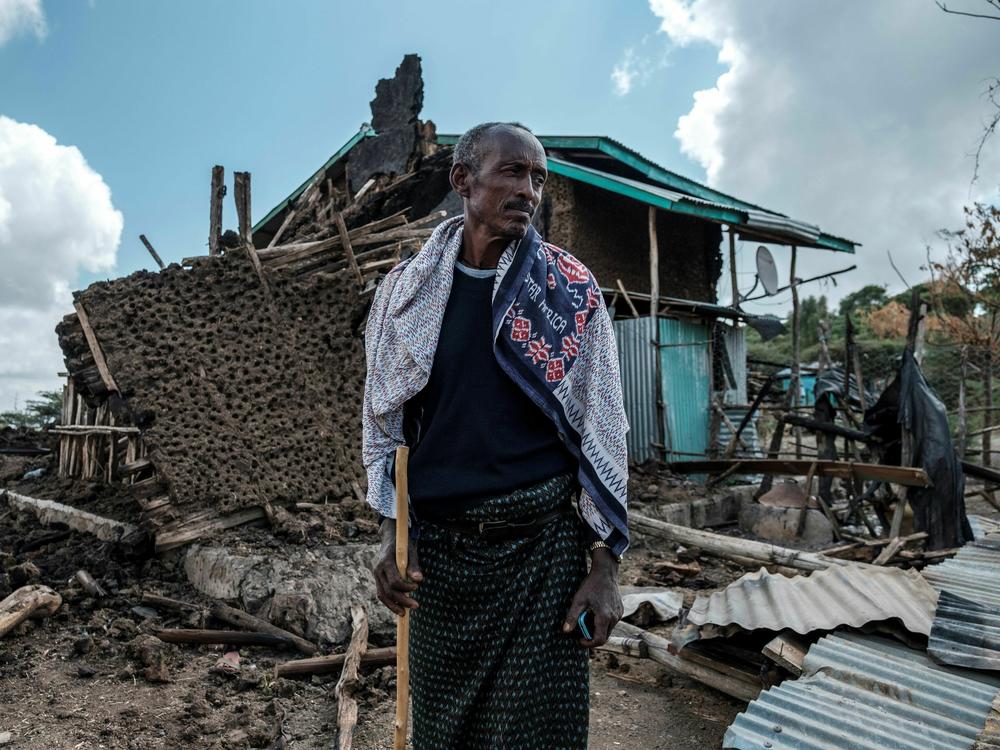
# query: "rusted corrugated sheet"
825, 600
966, 629
637, 361
868, 693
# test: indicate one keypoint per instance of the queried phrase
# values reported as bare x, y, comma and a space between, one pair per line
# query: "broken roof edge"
687, 196
753, 224
794, 232
365, 131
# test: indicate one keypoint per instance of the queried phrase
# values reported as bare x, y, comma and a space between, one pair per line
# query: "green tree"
866, 298
36, 414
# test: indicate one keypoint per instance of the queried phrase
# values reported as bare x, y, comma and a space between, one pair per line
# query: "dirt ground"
93, 676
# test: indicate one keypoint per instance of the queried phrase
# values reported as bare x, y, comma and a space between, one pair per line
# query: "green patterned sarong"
490, 667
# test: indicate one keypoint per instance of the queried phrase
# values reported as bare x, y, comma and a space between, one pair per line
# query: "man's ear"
460, 178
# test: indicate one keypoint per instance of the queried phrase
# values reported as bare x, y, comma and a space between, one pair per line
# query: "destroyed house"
609, 205
227, 388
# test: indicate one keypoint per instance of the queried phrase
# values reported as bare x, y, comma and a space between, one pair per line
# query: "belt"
522, 528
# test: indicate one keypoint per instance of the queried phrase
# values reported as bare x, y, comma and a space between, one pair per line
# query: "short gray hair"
469, 149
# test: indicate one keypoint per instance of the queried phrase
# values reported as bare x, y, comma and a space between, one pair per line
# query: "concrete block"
306, 590
780, 525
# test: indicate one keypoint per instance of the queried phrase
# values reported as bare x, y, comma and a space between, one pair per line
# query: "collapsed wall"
243, 397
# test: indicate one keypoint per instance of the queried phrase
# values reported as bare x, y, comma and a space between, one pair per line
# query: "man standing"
491, 354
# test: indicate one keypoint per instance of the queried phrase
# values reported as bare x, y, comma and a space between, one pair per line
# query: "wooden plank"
659, 651
93, 429
890, 551
787, 651
345, 241
95, 349
183, 534
907, 476
49, 511
152, 251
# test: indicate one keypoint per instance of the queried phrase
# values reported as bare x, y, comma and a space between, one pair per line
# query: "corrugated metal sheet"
735, 338
825, 600
637, 360
965, 633
973, 573
686, 371
749, 435
868, 693
981, 526
966, 629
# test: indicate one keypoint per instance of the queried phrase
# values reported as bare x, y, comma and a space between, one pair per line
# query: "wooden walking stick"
403, 620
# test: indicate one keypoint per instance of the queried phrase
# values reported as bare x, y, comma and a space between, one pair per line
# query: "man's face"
504, 194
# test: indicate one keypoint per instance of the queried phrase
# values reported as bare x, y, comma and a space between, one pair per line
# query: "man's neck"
480, 248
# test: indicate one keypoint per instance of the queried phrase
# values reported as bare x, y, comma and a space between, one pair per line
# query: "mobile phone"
585, 622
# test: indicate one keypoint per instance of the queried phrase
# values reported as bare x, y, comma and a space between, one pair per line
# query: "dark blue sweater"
474, 433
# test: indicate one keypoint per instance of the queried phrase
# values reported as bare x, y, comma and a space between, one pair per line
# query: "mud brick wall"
610, 234
242, 399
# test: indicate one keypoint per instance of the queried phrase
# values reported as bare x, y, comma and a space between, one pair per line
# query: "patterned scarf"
552, 336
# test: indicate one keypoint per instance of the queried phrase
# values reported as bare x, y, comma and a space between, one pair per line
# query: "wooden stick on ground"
25, 602
347, 707
403, 621
242, 619
235, 637
327, 664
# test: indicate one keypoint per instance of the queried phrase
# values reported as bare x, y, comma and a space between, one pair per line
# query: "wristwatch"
603, 545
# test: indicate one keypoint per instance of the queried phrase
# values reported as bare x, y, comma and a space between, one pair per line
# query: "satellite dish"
767, 271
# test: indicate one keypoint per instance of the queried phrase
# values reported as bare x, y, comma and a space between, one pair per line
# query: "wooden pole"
796, 351
654, 307
215, 208
963, 425
732, 267
152, 251
241, 194
403, 621
345, 241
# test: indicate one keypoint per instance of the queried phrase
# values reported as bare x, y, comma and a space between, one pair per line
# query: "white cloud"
56, 219
624, 73
21, 16
854, 115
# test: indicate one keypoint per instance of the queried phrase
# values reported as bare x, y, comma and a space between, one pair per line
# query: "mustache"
525, 206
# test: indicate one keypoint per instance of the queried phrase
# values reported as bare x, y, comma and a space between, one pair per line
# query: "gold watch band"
603, 545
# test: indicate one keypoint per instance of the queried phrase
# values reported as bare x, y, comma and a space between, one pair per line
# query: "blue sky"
154, 94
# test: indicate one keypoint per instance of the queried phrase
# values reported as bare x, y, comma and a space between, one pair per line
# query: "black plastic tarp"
831, 381
910, 402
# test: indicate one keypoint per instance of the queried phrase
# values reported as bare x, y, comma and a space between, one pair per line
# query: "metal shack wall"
686, 370
736, 348
637, 361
